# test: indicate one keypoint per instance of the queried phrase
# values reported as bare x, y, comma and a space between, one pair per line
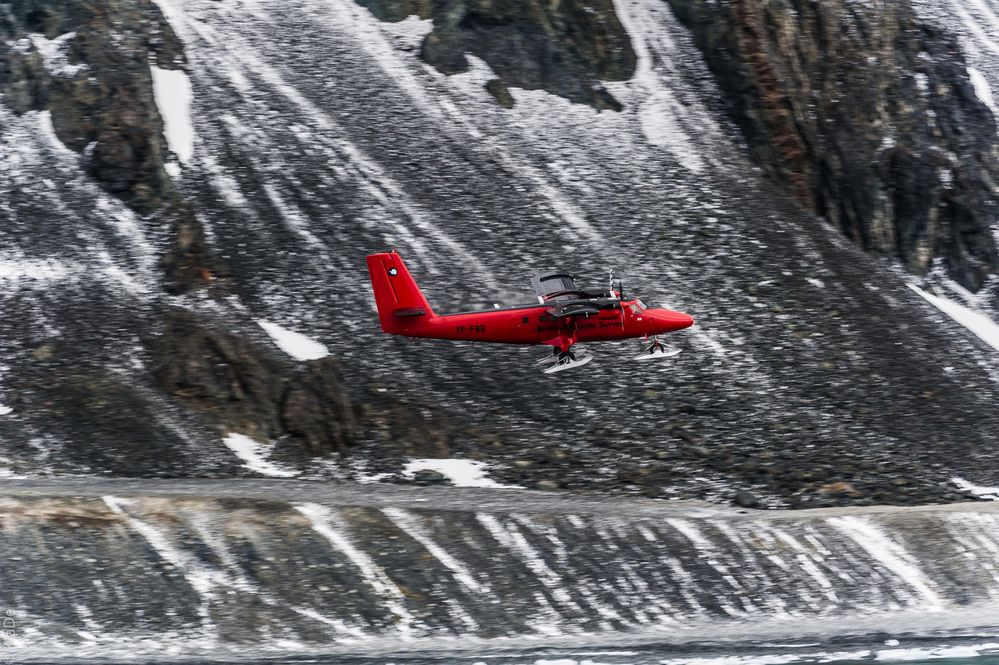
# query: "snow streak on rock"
410, 523
53, 52
665, 120
984, 91
326, 524
30, 147
891, 554
204, 581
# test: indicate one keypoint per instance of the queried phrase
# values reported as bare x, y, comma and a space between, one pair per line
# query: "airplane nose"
671, 320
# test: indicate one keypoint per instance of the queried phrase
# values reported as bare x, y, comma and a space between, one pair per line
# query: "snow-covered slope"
319, 135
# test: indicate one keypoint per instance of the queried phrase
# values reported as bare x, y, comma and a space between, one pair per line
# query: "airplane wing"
585, 307
573, 308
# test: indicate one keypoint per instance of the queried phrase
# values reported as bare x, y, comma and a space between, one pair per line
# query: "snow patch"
978, 490
53, 52
983, 91
254, 457
933, 653
985, 328
172, 89
883, 655
296, 345
461, 472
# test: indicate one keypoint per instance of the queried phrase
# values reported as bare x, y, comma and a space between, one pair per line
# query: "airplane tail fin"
400, 302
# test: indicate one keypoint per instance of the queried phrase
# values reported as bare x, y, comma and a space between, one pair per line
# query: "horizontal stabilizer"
410, 311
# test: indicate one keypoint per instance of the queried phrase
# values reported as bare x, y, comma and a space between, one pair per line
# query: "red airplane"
563, 316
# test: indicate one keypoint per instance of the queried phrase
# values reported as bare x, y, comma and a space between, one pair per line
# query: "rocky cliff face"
867, 113
567, 47
130, 342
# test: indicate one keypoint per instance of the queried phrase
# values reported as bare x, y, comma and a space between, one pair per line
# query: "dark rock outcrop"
868, 115
188, 264
96, 82
566, 47
316, 408
240, 384
244, 387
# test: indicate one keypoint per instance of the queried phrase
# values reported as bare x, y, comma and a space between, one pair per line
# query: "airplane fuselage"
532, 324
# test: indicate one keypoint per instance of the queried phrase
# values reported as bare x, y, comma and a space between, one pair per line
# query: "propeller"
620, 298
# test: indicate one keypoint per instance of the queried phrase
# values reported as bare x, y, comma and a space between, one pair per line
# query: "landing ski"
570, 364
658, 354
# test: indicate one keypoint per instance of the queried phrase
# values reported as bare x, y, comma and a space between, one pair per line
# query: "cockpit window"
641, 304
636, 308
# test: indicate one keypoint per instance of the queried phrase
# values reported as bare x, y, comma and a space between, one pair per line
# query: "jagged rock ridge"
868, 114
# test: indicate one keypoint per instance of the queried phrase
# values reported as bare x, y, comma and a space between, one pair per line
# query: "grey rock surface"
209, 568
